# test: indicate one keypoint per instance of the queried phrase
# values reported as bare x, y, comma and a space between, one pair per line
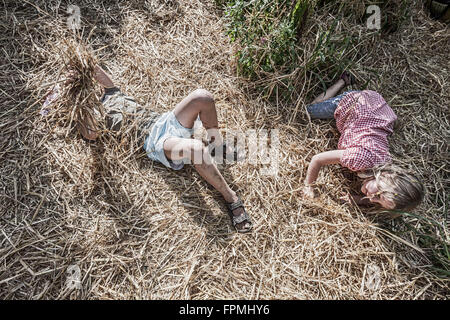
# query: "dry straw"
138, 230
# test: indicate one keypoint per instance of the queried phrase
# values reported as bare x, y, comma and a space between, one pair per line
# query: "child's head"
392, 187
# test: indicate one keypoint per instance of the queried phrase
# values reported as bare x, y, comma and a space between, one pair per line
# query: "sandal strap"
233, 206
241, 218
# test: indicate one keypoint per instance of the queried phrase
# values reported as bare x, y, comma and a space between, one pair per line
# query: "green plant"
330, 52
269, 35
267, 32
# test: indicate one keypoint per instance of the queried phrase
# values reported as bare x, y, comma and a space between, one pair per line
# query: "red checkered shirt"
365, 121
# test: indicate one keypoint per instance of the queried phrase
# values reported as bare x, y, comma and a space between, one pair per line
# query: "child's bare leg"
200, 103
179, 148
331, 91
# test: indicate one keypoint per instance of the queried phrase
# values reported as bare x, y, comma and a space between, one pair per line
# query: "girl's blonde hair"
396, 184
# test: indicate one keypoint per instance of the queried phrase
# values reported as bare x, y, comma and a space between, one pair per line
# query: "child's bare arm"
103, 78
319, 160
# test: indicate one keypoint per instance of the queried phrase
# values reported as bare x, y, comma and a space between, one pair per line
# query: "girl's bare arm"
319, 160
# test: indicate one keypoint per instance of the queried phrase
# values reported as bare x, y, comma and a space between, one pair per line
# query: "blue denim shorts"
166, 126
325, 109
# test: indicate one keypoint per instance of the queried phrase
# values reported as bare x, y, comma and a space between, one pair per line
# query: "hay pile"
138, 230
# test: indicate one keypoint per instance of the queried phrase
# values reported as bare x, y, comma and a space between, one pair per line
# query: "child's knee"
202, 95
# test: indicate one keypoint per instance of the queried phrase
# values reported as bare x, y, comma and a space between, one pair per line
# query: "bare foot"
347, 77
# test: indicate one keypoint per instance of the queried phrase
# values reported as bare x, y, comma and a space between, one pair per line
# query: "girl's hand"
308, 192
346, 199
355, 199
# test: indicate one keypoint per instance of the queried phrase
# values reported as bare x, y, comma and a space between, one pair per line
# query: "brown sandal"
243, 217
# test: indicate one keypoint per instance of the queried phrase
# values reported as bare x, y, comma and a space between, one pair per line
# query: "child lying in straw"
365, 121
167, 137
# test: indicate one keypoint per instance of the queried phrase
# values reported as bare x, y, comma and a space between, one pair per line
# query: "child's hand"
308, 191
214, 137
71, 76
346, 199
355, 199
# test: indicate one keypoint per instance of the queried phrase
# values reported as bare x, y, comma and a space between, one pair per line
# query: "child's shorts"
154, 128
166, 126
325, 109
